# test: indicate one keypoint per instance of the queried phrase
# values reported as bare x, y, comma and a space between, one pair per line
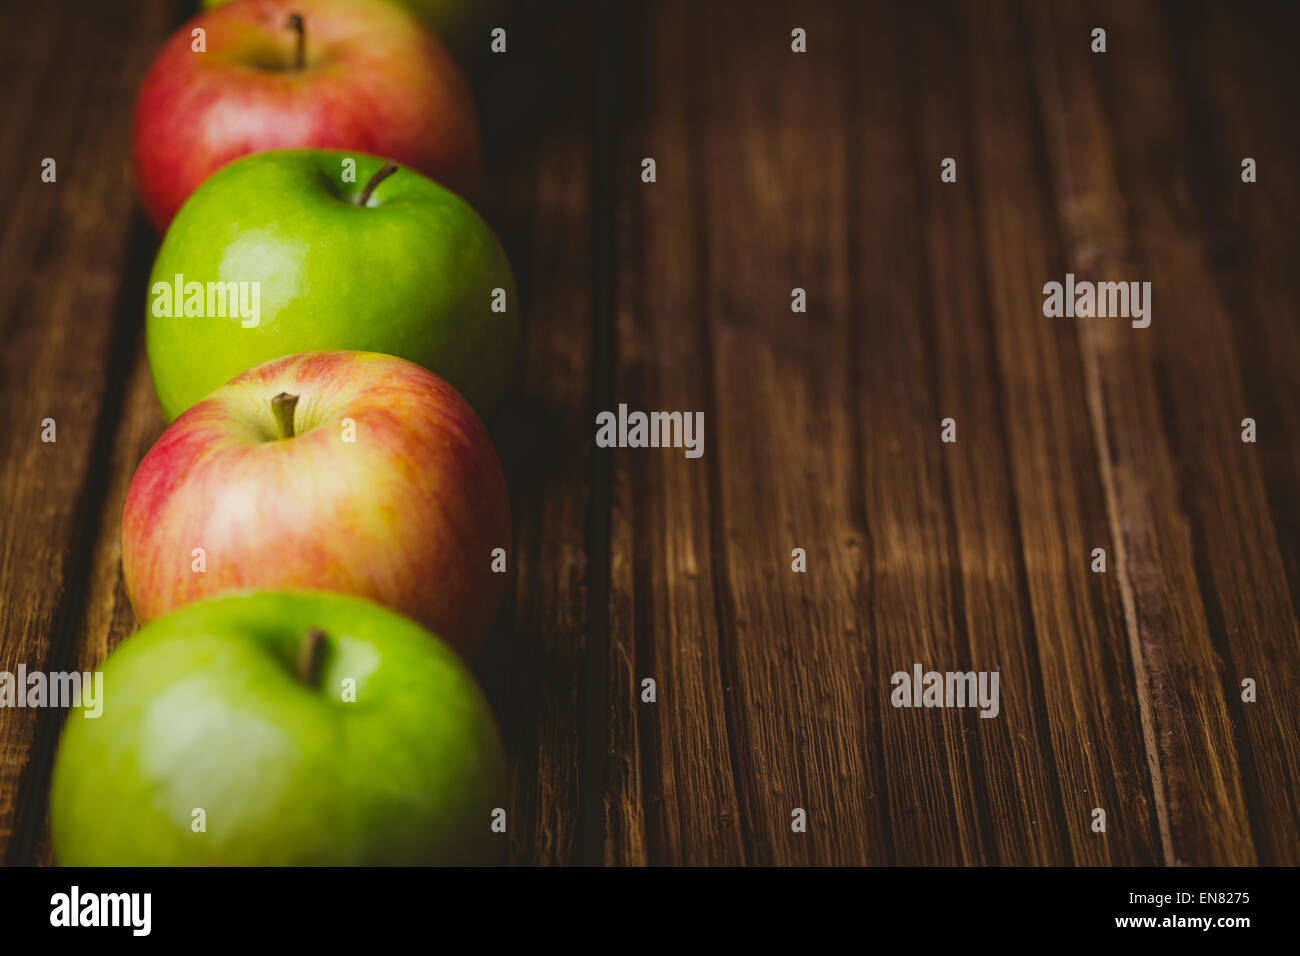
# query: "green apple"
453, 20
280, 728
293, 251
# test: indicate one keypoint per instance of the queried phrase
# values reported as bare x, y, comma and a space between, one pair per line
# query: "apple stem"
300, 53
283, 405
375, 180
309, 656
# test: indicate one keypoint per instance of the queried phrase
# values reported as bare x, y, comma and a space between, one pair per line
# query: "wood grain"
1202, 803
762, 671
1024, 803
1223, 486
539, 169
777, 171
1086, 667
71, 317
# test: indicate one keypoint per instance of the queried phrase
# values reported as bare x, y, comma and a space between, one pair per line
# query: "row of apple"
317, 542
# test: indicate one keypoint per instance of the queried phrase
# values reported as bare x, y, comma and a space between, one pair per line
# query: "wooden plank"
671, 781
539, 149
1246, 110
938, 785
885, 529
1202, 808
1178, 182
71, 321
769, 169
1087, 671
107, 617
1026, 819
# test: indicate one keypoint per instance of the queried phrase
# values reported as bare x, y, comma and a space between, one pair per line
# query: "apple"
451, 20
278, 74
350, 472
389, 263
280, 728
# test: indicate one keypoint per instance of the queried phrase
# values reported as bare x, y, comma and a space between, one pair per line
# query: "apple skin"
205, 708
451, 20
410, 274
406, 515
374, 80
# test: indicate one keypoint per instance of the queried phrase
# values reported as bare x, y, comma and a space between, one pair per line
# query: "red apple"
360, 74
352, 472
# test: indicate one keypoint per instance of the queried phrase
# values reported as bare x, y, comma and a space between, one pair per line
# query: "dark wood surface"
778, 170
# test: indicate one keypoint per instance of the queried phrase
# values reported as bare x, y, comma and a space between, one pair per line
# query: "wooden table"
778, 170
